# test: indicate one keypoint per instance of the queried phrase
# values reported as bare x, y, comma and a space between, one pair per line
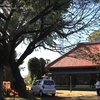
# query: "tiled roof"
84, 55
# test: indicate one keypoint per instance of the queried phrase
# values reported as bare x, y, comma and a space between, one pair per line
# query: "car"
44, 86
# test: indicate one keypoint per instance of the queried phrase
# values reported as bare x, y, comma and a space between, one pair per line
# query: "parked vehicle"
44, 86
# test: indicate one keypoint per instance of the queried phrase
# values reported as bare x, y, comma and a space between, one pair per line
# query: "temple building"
78, 67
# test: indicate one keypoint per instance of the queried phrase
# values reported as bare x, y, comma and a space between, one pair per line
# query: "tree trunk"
1, 82
19, 84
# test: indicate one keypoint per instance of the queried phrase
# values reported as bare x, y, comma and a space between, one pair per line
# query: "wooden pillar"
70, 84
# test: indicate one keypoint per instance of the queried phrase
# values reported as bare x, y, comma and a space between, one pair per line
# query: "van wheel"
53, 94
41, 93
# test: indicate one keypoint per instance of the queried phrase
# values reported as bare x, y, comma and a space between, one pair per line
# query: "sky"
45, 54
41, 53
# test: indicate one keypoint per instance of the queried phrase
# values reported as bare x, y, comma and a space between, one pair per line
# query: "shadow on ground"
49, 97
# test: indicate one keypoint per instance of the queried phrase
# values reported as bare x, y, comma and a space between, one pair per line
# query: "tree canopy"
50, 24
36, 67
46, 24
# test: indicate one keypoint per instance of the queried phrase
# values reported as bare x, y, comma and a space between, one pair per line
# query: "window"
48, 83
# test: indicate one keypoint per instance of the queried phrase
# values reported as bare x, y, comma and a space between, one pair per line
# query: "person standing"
97, 86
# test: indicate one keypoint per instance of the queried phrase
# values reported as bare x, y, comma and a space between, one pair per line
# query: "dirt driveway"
63, 95
67, 95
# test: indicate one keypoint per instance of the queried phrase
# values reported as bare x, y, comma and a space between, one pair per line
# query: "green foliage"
43, 23
47, 24
94, 36
42, 64
36, 68
25, 21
